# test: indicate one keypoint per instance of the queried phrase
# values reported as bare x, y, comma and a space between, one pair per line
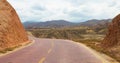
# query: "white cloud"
72, 10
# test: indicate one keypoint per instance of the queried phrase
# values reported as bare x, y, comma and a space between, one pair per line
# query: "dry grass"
92, 40
9, 49
95, 44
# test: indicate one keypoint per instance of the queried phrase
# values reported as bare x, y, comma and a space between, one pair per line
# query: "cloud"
72, 10
39, 8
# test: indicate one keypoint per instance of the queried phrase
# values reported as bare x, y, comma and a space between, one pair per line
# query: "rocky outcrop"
113, 36
12, 32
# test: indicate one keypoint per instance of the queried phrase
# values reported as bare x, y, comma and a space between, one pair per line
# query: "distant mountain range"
95, 22
64, 23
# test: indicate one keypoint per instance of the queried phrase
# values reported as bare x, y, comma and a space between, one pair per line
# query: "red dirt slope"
12, 32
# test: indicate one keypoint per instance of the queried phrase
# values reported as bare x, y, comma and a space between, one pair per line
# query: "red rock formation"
113, 36
12, 32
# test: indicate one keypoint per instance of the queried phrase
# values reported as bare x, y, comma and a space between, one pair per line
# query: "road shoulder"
23, 45
105, 58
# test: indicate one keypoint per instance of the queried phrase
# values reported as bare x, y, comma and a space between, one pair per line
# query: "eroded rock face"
12, 32
113, 36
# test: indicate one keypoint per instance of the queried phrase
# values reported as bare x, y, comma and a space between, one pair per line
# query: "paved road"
52, 51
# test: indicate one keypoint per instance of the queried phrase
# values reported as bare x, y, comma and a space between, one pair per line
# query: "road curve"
52, 51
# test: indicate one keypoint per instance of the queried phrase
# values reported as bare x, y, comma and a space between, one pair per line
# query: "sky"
70, 10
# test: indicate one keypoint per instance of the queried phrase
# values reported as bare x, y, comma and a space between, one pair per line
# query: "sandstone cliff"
113, 36
12, 32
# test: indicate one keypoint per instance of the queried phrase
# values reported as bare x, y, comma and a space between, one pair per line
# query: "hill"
95, 22
49, 24
111, 42
12, 32
113, 36
66, 24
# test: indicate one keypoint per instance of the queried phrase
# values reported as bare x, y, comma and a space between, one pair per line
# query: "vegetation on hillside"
88, 36
95, 44
65, 33
58, 34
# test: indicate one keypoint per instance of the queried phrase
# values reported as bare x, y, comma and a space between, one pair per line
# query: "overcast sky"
71, 10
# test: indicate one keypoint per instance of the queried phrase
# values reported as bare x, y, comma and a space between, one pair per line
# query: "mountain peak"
58, 21
64, 23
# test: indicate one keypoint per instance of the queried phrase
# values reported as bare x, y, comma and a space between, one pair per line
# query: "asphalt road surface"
52, 51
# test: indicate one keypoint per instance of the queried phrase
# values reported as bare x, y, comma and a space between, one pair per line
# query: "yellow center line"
49, 51
42, 60
51, 48
52, 44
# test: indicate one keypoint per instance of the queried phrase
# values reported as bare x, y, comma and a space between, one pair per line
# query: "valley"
25, 37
